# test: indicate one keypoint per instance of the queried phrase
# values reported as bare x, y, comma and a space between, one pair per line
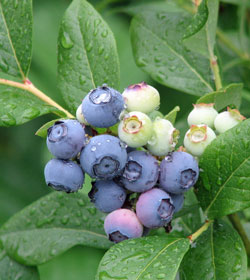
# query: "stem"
235, 220
216, 71
228, 43
28, 86
195, 235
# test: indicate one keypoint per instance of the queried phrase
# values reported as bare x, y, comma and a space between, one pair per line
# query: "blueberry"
65, 139
197, 138
141, 172
122, 224
63, 175
107, 195
104, 157
154, 208
135, 129
179, 171
102, 107
178, 200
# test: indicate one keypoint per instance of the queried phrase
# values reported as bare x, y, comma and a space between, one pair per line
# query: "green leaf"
18, 106
152, 257
230, 95
42, 131
218, 253
158, 49
10, 269
87, 54
171, 116
52, 225
16, 37
203, 41
224, 183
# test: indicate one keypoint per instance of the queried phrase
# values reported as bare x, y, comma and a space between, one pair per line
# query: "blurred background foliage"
24, 155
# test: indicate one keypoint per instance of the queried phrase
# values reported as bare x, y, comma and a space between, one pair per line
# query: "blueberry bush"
143, 185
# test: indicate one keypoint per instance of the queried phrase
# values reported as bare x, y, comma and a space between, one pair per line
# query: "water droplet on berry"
93, 149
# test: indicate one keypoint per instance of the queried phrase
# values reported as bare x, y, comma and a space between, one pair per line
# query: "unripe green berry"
79, 115
202, 114
141, 97
197, 138
135, 129
227, 120
164, 138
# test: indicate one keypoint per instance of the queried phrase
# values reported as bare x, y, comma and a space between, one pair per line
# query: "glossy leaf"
230, 95
87, 54
18, 106
171, 116
203, 41
15, 37
224, 183
10, 269
52, 225
152, 257
158, 49
219, 253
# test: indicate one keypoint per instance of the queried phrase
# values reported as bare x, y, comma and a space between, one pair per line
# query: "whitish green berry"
227, 120
135, 129
141, 97
202, 114
79, 115
197, 138
164, 137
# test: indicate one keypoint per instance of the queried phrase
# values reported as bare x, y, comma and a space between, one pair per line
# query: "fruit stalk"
195, 235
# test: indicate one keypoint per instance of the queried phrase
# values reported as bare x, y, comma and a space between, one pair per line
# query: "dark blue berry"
154, 208
65, 139
102, 107
179, 171
64, 175
141, 172
104, 157
107, 195
178, 200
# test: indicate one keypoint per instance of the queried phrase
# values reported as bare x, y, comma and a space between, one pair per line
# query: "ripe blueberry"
107, 195
178, 200
122, 224
63, 175
154, 208
102, 106
65, 139
104, 157
179, 171
141, 172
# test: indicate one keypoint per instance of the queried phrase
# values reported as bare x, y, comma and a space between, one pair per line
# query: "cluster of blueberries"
138, 177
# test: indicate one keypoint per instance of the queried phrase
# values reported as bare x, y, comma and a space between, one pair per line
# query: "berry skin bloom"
179, 171
63, 175
135, 129
154, 208
122, 224
107, 195
141, 172
202, 114
141, 97
164, 138
102, 107
104, 157
197, 138
65, 139
227, 120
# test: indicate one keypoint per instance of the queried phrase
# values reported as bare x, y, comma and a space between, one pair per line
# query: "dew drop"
161, 276
82, 80
105, 33
89, 47
100, 50
81, 202
93, 149
65, 220
31, 113
92, 211
66, 41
